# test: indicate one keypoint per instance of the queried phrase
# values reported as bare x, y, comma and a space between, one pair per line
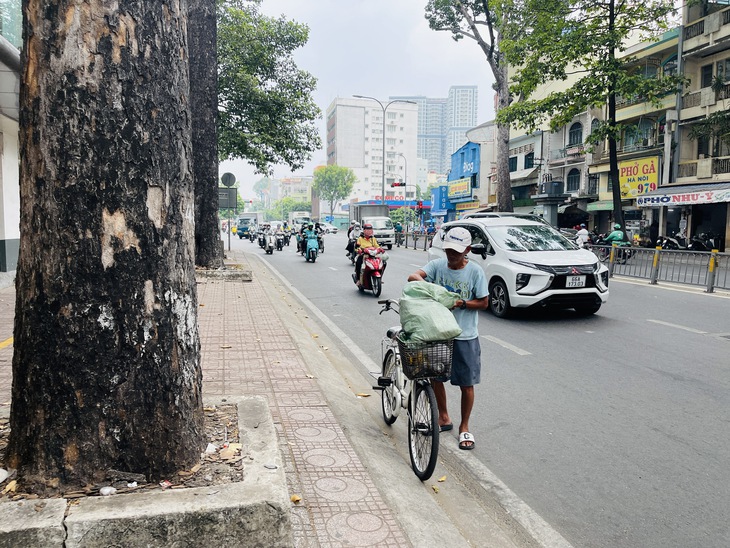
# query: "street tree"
203, 111
480, 20
333, 183
106, 363
552, 40
281, 208
266, 111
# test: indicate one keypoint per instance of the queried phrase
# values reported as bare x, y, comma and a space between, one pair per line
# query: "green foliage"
715, 126
333, 183
550, 40
404, 216
262, 188
266, 112
281, 208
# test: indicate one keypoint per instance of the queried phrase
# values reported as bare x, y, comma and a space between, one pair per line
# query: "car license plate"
575, 281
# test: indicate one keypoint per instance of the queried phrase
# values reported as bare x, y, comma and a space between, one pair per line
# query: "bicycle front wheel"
423, 431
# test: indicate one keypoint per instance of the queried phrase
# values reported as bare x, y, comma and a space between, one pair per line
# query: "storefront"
691, 210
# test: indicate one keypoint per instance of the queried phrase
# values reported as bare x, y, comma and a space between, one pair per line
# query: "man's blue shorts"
466, 366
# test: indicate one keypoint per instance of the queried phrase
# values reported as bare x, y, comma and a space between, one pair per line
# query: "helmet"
353, 222
311, 225
617, 226
367, 226
582, 225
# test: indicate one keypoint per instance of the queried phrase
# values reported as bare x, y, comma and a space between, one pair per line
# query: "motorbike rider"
363, 242
583, 235
302, 240
353, 233
616, 236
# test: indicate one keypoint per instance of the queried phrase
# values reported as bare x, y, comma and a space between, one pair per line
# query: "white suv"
529, 263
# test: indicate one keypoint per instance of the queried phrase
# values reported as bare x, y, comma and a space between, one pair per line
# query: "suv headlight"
524, 263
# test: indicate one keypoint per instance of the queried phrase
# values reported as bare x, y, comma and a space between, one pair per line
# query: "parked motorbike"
677, 241
703, 242
373, 267
312, 249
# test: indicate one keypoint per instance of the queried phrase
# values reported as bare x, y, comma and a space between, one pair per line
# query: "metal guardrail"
704, 268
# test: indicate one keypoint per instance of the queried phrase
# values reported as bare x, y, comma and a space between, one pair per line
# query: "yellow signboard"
637, 177
467, 205
461, 188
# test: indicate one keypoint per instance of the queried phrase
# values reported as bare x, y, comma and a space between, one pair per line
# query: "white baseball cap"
457, 239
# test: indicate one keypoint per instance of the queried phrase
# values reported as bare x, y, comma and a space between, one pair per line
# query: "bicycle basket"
422, 360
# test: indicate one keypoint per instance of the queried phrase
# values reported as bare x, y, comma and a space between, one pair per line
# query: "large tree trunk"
504, 183
106, 369
204, 112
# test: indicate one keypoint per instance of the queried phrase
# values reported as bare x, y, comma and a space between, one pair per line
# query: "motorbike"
373, 267
262, 239
279, 239
703, 242
312, 249
287, 237
268, 243
624, 251
677, 242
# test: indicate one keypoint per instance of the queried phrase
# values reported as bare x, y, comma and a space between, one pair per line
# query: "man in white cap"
457, 274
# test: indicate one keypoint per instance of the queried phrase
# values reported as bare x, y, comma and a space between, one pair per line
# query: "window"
723, 70
706, 76
529, 160
670, 66
513, 164
575, 135
703, 146
573, 180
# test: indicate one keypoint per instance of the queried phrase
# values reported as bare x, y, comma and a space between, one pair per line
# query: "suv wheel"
499, 299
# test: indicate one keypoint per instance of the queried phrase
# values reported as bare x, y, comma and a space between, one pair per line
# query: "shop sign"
467, 205
685, 198
637, 177
461, 188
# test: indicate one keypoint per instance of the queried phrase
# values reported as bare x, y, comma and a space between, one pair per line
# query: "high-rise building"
443, 123
355, 140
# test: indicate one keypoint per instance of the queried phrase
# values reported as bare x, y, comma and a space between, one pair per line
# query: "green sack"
425, 313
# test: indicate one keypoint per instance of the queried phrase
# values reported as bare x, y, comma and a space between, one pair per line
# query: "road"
613, 428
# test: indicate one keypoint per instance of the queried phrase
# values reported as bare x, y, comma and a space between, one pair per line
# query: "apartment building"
443, 123
378, 141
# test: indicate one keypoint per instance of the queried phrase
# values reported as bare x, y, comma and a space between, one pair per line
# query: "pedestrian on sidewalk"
457, 274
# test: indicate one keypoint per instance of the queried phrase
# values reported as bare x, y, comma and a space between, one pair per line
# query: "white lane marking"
332, 268
417, 265
507, 345
690, 329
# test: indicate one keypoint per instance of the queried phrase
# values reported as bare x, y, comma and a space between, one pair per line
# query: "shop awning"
515, 176
707, 193
603, 205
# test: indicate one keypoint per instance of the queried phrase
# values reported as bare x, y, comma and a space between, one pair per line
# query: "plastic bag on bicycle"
425, 313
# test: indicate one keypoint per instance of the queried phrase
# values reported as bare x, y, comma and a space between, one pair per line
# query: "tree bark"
204, 112
106, 368
504, 183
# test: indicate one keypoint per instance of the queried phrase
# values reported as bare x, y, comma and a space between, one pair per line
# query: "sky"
379, 48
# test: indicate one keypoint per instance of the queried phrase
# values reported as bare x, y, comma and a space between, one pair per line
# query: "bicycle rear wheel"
388, 395
423, 431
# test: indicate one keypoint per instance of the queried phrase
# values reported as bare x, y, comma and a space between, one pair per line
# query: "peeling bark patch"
106, 318
115, 234
150, 303
71, 454
155, 209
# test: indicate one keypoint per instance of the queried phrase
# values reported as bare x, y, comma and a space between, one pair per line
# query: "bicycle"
405, 384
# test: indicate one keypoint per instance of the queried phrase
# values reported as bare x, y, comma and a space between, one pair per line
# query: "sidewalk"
355, 489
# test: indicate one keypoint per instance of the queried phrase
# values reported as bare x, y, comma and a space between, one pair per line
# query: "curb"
253, 512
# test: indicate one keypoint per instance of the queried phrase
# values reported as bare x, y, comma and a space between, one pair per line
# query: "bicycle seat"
393, 331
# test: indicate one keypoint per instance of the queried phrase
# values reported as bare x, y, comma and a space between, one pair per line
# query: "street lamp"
384, 108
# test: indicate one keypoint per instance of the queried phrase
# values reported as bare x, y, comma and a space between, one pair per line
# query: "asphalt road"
613, 428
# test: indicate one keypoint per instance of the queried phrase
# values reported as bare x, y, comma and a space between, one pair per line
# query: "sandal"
466, 441
446, 427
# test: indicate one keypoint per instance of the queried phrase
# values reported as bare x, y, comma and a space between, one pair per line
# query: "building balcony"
704, 169
708, 32
572, 154
704, 102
